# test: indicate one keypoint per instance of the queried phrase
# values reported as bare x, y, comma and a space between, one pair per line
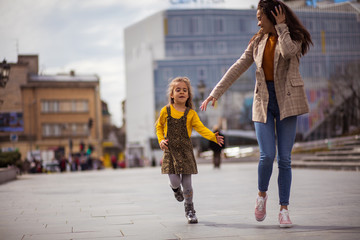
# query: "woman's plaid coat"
289, 86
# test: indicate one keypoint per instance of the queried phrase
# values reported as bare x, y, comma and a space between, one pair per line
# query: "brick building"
49, 112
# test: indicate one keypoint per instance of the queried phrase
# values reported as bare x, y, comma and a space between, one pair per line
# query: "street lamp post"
4, 73
201, 87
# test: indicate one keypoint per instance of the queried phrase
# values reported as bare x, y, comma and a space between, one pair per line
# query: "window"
73, 127
308, 24
219, 25
64, 106
317, 69
198, 48
84, 106
254, 28
45, 106
177, 26
46, 130
57, 129
334, 43
221, 47
242, 25
167, 74
341, 68
55, 106
50, 106
248, 26
73, 105
64, 129
178, 48
195, 25
331, 25
224, 70
202, 73
83, 128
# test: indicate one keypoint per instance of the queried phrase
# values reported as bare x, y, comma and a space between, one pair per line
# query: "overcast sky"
83, 35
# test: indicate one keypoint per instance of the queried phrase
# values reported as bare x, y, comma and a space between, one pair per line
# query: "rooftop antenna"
17, 46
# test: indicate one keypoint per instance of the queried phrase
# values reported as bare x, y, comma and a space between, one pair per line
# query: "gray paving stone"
138, 204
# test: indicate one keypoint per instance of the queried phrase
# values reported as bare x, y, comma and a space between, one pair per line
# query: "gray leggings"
185, 181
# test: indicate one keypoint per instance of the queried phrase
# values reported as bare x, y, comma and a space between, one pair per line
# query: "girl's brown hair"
297, 31
171, 88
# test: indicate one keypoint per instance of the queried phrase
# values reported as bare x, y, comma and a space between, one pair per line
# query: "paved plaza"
138, 204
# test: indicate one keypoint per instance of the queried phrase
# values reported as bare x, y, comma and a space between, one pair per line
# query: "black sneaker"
178, 193
190, 213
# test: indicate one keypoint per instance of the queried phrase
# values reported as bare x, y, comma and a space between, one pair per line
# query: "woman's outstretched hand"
220, 139
206, 102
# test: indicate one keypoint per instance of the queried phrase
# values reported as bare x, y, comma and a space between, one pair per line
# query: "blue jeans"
268, 134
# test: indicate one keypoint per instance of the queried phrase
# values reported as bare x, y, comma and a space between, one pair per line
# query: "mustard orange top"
193, 121
268, 60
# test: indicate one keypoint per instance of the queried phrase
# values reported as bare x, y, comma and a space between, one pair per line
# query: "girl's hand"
279, 16
164, 144
220, 139
206, 102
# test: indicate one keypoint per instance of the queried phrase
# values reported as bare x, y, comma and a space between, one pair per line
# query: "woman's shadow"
302, 228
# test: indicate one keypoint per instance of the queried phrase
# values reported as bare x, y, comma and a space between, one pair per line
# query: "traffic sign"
13, 137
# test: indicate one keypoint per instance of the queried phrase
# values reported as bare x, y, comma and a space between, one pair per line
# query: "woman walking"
279, 95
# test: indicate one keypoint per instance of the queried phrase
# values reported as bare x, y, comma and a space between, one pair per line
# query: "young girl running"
173, 129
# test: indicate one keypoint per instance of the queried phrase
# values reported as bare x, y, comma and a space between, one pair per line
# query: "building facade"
203, 43
50, 112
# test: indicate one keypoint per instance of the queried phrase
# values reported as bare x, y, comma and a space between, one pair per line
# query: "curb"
7, 174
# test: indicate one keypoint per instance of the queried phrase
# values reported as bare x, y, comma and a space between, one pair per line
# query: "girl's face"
264, 22
180, 93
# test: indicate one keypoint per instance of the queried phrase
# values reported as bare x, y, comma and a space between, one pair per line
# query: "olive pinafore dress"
179, 159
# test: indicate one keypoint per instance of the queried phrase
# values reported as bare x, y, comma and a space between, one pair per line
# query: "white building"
144, 42
203, 43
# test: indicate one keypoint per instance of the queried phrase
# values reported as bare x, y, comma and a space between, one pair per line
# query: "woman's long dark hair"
297, 31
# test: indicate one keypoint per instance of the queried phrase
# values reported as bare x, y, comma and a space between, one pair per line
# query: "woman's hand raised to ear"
279, 15
206, 102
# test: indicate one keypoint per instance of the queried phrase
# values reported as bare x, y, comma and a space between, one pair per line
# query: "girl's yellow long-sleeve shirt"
193, 122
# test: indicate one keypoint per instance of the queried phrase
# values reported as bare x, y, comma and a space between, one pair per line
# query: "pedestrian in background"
114, 161
216, 148
279, 95
173, 129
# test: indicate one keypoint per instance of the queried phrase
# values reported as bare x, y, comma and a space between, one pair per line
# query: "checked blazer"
289, 86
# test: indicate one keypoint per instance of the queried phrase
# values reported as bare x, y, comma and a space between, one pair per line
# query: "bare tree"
344, 85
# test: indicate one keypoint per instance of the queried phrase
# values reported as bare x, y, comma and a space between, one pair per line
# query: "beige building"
49, 112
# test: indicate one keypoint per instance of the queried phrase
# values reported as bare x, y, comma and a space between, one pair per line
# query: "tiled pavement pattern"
138, 204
